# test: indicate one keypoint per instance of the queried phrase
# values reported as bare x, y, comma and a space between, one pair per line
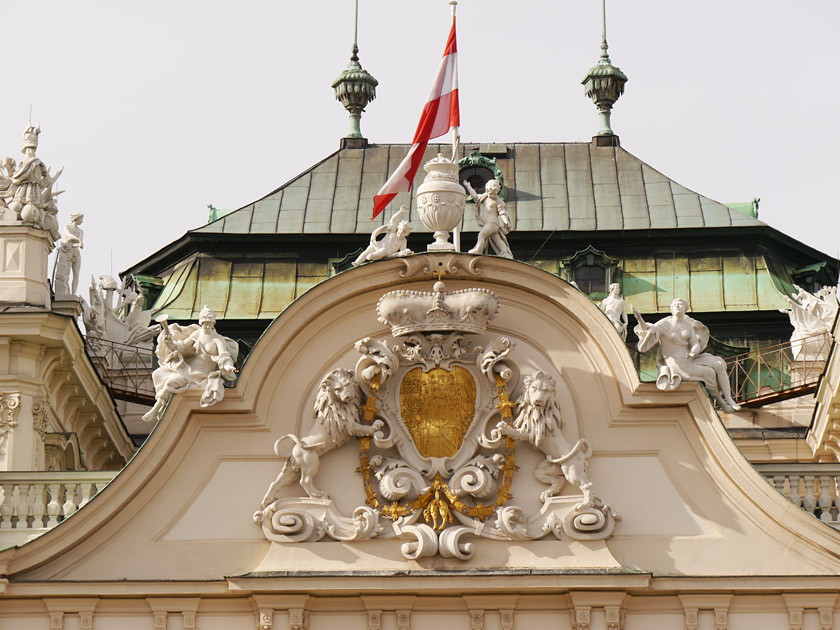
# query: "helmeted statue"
26, 193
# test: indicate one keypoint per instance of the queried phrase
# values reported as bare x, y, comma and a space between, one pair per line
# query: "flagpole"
456, 136
456, 144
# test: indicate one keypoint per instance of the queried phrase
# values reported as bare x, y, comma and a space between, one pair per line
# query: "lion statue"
539, 423
336, 413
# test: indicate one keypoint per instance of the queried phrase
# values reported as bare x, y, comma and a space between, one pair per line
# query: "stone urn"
440, 200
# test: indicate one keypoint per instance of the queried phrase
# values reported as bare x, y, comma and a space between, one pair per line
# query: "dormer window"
591, 270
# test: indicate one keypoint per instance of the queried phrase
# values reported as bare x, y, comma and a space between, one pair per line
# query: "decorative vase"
440, 200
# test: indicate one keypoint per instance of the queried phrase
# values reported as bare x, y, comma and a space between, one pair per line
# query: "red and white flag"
439, 116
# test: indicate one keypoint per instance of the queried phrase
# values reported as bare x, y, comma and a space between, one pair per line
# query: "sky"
157, 109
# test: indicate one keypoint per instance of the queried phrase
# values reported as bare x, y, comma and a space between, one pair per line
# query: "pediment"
659, 486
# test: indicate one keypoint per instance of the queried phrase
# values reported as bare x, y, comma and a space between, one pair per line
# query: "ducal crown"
30, 137
465, 310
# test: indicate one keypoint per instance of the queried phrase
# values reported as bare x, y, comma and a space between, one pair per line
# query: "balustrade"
813, 487
33, 502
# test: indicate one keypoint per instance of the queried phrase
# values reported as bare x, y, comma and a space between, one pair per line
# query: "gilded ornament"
438, 407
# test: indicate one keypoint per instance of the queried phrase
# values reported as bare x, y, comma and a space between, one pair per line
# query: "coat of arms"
437, 433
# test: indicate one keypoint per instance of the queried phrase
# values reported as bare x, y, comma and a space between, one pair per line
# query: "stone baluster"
779, 483
39, 505
69, 506
54, 507
7, 508
809, 502
826, 499
22, 506
835, 483
794, 491
87, 491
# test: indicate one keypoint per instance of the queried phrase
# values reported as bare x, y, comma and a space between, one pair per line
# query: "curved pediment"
406, 489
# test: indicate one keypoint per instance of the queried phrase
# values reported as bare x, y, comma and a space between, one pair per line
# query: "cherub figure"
394, 242
492, 218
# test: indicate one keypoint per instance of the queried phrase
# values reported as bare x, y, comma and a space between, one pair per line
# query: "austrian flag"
439, 116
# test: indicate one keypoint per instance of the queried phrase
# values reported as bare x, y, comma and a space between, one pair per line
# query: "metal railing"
778, 372
813, 487
125, 369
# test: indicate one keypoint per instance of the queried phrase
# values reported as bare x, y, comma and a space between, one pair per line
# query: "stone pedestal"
68, 305
23, 265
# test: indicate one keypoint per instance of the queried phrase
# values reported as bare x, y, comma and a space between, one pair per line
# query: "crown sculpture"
466, 310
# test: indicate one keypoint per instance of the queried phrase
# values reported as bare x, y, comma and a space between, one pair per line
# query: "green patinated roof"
250, 289
244, 289
550, 186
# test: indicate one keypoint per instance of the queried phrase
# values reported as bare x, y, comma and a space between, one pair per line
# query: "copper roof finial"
355, 87
604, 83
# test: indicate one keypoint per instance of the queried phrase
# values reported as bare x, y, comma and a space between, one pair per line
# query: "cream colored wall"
691, 505
453, 612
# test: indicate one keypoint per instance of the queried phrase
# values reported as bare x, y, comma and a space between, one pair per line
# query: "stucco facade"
703, 539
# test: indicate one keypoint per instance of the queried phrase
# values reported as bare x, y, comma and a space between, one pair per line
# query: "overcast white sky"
158, 108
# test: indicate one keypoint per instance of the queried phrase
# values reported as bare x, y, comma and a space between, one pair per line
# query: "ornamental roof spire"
604, 83
355, 87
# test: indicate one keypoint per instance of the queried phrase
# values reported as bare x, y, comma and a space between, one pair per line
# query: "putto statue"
492, 219
126, 322
26, 193
192, 357
393, 244
69, 257
682, 341
614, 307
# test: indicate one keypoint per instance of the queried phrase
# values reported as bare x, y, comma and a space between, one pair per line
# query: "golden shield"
437, 407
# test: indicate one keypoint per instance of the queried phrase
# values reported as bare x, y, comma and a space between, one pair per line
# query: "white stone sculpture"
811, 315
492, 219
336, 413
124, 323
69, 257
393, 244
614, 307
440, 201
539, 423
680, 357
192, 357
421, 406
26, 191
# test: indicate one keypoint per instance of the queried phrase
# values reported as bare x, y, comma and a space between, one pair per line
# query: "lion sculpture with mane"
539, 423
336, 413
